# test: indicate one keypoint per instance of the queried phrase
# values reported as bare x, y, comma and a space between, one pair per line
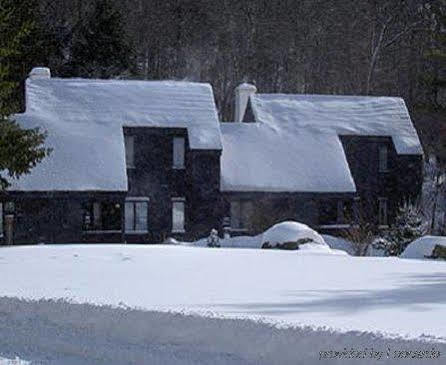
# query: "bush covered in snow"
290, 235
425, 247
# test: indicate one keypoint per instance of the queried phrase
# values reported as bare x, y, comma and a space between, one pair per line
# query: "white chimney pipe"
40, 73
242, 95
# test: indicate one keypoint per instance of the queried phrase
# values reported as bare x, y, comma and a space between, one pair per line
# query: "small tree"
408, 226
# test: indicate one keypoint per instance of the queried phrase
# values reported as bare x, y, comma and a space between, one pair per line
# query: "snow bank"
290, 232
339, 243
423, 247
56, 332
85, 119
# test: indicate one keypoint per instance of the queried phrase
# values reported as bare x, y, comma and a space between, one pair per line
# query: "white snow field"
249, 306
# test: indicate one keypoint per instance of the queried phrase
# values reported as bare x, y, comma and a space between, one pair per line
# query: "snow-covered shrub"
213, 239
408, 226
383, 245
289, 235
425, 247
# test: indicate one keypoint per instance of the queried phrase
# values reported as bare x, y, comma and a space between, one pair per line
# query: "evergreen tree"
100, 47
20, 149
408, 226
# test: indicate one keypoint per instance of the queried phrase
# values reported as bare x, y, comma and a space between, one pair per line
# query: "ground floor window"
102, 216
332, 212
241, 214
382, 212
136, 215
178, 214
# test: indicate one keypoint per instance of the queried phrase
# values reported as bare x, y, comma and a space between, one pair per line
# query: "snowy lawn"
391, 296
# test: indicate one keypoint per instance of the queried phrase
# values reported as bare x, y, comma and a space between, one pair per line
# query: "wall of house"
402, 180
56, 217
271, 208
155, 178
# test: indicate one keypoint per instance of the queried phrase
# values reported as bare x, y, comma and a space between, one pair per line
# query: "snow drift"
423, 247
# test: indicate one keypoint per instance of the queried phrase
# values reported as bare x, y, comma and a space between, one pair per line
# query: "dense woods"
376, 47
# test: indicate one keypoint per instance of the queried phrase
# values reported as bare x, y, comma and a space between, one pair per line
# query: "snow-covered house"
323, 160
139, 161
131, 160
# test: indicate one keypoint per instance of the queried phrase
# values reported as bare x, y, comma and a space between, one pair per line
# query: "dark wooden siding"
402, 180
155, 178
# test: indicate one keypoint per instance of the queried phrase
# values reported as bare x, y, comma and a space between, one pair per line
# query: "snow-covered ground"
57, 333
391, 295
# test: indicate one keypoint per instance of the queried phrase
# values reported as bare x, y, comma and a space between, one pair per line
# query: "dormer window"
178, 152
130, 151
383, 159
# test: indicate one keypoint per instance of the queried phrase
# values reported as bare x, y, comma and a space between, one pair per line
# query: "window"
328, 212
178, 205
241, 213
136, 215
178, 152
382, 211
130, 151
383, 159
345, 212
102, 216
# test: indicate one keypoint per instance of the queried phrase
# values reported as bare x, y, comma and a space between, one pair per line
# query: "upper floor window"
130, 151
178, 152
241, 214
178, 215
383, 159
382, 212
136, 215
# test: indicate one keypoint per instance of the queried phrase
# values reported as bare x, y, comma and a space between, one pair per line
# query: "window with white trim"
383, 159
178, 214
130, 151
179, 144
136, 215
241, 214
382, 212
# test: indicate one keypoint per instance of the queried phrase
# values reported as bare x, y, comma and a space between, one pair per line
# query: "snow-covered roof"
85, 119
340, 115
258, 157
294, 145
